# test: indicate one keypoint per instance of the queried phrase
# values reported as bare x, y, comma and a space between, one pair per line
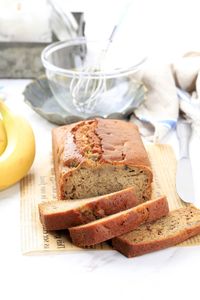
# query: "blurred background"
161, 29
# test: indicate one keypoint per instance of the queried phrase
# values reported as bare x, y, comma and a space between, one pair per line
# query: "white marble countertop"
173, 272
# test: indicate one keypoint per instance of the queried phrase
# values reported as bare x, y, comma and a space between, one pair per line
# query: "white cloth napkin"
160, 111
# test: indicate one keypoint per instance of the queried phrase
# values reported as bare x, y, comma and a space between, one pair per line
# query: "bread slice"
98, 157
122, 222
176, 227
56, 215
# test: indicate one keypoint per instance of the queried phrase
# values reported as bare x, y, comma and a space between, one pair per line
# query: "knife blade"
184, 177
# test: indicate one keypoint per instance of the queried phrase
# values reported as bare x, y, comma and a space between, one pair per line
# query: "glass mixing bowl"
88, 80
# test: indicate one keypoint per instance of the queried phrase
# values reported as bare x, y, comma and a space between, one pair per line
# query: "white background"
167, 28
164, 28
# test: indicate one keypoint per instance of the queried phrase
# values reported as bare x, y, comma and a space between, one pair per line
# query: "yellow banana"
19, 154
3, 137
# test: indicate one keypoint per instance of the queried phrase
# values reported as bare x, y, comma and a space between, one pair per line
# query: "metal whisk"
86, 88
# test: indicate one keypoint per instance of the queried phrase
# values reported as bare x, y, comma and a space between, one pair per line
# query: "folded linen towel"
159, 113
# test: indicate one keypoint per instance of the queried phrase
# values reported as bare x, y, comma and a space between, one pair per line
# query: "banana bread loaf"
98, 157
117, 224
175, 228
56, 215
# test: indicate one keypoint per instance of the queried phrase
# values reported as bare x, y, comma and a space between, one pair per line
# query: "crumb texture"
57, 215
104, 179
101, 230
98, 157
176, 227
165, 227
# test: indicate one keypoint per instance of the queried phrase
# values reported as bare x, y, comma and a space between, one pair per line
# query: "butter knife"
184, 178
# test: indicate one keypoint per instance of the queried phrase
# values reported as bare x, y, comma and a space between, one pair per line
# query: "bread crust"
115, 142
57, 215
109, 227
132, 249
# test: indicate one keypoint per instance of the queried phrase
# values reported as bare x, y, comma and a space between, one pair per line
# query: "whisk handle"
122, 15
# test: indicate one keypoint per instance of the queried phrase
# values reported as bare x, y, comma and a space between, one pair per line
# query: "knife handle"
184, 131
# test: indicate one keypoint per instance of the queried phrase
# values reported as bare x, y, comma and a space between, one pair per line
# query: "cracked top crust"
98, 141
94, 143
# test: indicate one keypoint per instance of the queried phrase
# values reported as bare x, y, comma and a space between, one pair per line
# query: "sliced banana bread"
175, 228
98, 157
56, 215
117, 224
